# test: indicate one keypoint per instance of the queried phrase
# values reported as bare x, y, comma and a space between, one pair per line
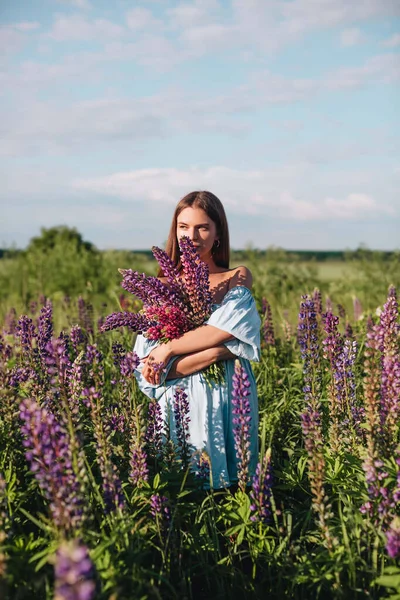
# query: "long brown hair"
214, 209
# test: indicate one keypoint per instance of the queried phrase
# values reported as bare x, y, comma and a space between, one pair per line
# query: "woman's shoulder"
240, 276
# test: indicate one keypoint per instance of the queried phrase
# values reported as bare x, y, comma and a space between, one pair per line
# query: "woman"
232, 331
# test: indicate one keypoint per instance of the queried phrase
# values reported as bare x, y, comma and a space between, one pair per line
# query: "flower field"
95, 504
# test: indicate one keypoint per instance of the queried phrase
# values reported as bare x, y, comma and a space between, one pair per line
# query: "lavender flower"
241, 422
261, 490
182, 419
73, 572
49, 454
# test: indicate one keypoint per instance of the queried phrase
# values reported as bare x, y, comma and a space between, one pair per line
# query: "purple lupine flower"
154, 428
136, 321
48, 451
75, 387
74, 572
115, 419
310, 351
182, 419
241, 422
159, 507
20, 375
393, 539
129, 363
389, 331
341, 311
26, 331
357, 308
348, 332
139, 471
328, 304
168, 268
45, 326
85, 315
202, 467
57, 361
260, 493
77, 337
10, 322
313, 441
317, 299
112, 488
118, 352
151, 290
268, 326
195, 275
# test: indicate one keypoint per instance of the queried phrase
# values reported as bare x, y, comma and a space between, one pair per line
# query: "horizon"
287, 111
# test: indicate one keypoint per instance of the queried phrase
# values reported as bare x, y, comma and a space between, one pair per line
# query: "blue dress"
211, 427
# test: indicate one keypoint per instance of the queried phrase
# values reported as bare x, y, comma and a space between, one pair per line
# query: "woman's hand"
155, 362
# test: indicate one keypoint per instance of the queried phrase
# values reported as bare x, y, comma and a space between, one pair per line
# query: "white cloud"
393, 41
27, 25
83, 4
252, 192
351, 37
140, 18
77, 27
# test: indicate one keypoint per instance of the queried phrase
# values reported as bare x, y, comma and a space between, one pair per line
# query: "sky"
287, 110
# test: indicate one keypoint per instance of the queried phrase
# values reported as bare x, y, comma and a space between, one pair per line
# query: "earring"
217, 243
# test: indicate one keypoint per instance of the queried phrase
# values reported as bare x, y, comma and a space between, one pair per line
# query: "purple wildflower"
77, 337
48, 450
139, 471
10, 322
168, 268
135, 321
159, 507
154, 428
313, 441
129, 363
393, 539
73, 572
268, 326
45, 326
112, 489
85, 315
261, 490
390, 399
26, 331
317, 299
57, 362
182, 419
202, 467
310, 351
195, 275
241, 422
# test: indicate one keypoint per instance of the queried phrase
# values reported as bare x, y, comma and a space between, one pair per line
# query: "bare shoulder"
241, 276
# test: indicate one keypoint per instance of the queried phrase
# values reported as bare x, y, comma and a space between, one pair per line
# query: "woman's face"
197, 225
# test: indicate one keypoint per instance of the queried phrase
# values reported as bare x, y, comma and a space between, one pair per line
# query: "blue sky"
286, 109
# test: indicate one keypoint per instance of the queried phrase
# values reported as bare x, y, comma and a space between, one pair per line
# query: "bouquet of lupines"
170, 309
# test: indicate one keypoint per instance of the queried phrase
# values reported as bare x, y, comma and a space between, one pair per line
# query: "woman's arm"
192, 363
